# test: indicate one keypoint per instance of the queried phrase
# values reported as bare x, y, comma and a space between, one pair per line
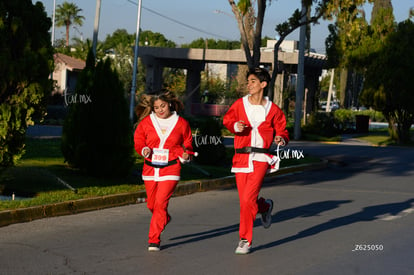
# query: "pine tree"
97, 134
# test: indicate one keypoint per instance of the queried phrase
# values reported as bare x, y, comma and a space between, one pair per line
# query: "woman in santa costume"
164, 139
256, 123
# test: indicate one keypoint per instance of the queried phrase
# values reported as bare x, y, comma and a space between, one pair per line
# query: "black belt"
248, 150
171, 162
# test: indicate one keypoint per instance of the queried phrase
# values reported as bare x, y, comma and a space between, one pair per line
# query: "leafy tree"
80, 49
121, 47
118, 37
371, 50
251, 24
202, 43
122, 62
388, 85
216, 89
155, 39
350, 27
26, 61
175, 81
67, 14
295, 21
352, 39
97, 133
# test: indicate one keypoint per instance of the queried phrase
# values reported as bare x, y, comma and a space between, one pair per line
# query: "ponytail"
144, 107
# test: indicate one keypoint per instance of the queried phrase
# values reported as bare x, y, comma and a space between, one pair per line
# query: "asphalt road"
355, 217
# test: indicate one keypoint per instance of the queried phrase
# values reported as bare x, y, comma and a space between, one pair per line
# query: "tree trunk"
246, 26
67, 35
343, 87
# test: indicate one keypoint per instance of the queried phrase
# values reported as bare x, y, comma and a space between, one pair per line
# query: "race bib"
159, 156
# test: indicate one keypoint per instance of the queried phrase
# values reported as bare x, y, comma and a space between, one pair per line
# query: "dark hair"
170, 98
261, 73
146, 103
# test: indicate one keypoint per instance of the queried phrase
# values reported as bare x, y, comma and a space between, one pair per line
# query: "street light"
134, 73
53, 23
96, 26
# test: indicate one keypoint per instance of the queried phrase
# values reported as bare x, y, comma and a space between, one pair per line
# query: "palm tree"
66, 15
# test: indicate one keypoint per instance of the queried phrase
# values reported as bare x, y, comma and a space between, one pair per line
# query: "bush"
322, 124
338, 122
208, 141
344, 120
373, 115
97, 134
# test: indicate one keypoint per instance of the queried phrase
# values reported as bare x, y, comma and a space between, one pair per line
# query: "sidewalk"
8, 217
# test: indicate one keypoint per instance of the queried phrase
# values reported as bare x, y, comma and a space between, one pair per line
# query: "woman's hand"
186, 156
146, 152
280, 141
240, 125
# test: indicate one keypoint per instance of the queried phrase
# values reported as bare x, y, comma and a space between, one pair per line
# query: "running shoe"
153, 247
267, 216
243, 247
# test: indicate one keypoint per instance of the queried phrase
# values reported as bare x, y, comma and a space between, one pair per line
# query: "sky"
183, 21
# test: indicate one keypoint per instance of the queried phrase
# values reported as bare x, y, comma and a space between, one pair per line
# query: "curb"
21, 215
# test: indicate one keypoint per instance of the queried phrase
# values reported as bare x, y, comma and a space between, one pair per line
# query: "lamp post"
134, 72
96, 26
53, 22
301, 78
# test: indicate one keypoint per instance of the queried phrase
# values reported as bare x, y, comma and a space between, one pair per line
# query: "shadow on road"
369, 213
308, 210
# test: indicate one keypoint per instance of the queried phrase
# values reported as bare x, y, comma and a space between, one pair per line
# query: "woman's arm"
140, 143
282, 134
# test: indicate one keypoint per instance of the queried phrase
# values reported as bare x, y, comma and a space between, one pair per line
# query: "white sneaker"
267, 216
243, 248
153, 247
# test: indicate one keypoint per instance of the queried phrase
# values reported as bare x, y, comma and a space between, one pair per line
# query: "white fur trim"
241, 170
163, 178
164, 137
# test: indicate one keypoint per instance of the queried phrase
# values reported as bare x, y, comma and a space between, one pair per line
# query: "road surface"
355, 217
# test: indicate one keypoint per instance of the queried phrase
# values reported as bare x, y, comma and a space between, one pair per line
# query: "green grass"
315, 137
377, 138
39, 174
381, 137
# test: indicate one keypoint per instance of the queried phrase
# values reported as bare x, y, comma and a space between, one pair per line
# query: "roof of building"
70, 62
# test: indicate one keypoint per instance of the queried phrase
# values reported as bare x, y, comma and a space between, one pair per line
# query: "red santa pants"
158, 196
248, 186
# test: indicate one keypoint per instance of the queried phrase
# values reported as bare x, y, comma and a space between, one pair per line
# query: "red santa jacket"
148, 134
273, 125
